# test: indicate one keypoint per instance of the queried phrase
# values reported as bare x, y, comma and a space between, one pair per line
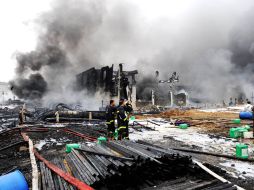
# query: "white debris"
191, 136
50, 141
11, 106
54, 125
241, 168
231, 109
188, 136
40, 144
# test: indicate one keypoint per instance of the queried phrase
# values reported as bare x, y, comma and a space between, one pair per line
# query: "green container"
237, 132
242, 151
241, 130
233, 133
101, 139
116, 134
69, 147
183, 126
237, 121
246, 127
132, 118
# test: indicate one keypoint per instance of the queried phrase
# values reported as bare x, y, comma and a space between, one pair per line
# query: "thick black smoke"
62, 30
35, 60
32, 88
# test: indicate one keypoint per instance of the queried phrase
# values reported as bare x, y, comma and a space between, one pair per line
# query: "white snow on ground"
42, 143
189, 136
12, 106
241, 168
231, 109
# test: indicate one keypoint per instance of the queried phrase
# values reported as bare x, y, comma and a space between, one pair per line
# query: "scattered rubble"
157, 151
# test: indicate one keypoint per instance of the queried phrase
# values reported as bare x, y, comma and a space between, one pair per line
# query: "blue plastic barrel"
13, 181
246, 115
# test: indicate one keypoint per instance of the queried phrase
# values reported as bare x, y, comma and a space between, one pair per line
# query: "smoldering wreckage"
56, 136
68, 147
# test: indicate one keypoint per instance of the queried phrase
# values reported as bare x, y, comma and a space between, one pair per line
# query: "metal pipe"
213, 154
106, 155
83, 173
77, 183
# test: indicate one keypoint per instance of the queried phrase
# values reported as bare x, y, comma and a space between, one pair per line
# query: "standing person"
248, 107
21, 116
231, 102
110, 117
236, 101
128, 109
223, 103
57, 116
122, 120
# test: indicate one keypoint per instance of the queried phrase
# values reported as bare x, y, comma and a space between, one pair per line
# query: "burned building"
115, 84
167, 92
97, 79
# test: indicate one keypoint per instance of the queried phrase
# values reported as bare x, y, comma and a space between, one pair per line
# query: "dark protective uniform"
128, 109
110, 119
122, 121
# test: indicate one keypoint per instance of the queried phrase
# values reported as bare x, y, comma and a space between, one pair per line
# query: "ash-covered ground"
208, 132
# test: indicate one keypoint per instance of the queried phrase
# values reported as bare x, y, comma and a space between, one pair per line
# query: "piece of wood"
214, 174
35, 174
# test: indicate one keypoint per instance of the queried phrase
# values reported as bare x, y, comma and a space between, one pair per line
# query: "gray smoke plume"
210, 46
32, 88
58, 55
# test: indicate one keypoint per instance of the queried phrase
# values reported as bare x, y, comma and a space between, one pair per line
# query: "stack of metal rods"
92, 168
49, 180
62, 183
128, 165
46, 178
98, 165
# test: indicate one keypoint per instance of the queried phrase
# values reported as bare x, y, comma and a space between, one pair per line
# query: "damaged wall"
113, 84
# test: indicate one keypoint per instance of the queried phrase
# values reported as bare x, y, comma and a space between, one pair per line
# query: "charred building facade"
115, 84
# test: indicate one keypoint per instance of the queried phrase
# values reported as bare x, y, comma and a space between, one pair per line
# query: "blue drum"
246, 115
13, 181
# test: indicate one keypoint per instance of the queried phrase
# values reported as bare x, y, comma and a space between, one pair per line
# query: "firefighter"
128, 109
122, 120
110, 117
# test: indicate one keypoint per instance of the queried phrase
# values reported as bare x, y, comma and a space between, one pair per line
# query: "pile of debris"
14, 154
129, 165
8, 118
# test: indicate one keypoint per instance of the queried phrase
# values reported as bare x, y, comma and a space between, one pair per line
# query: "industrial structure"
113, 84
116, 84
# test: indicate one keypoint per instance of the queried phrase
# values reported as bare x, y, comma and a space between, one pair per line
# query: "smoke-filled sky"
19, 32
209, 43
